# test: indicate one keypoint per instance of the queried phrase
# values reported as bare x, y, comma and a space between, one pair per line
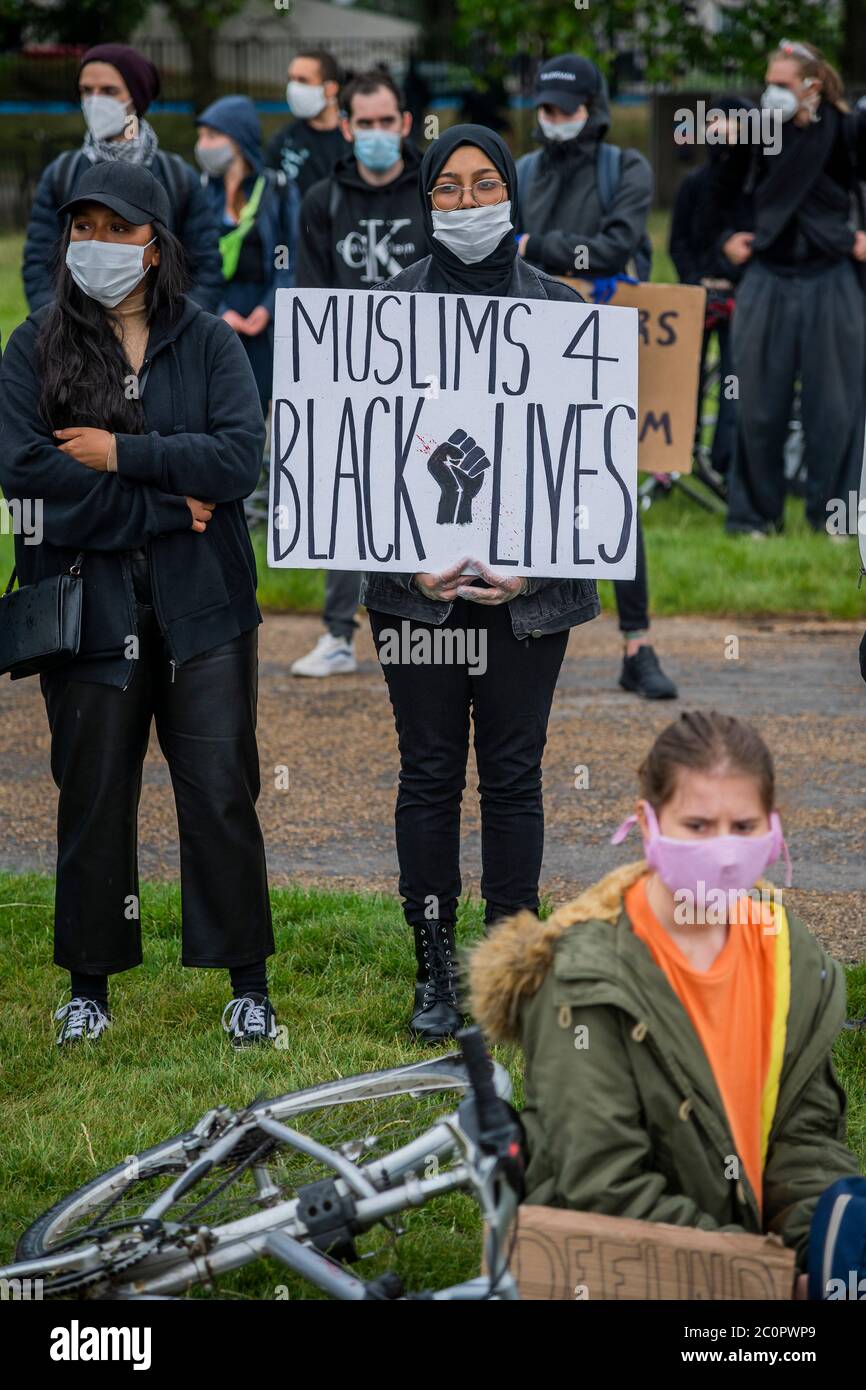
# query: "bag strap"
526, 166
63, 177
608, 165
74, 568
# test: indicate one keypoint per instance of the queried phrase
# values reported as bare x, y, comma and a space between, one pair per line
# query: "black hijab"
450, 274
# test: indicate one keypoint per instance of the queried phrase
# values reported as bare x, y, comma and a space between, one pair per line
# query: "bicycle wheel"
386, 1115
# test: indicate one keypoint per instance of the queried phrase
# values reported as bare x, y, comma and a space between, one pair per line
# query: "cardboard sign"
671, 330
572, 1255
412, 430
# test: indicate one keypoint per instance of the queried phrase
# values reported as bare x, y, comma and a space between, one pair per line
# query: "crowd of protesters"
172, 276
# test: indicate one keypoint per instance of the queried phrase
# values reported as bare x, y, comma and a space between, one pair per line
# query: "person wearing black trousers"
701, 262
468, 185
132, 417
565, 225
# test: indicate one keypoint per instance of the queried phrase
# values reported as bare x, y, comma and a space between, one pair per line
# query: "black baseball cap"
567, 82
130, 190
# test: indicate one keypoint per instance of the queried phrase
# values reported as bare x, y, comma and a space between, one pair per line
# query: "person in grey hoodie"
584, 206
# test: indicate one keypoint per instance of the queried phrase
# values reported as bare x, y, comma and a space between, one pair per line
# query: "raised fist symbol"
458, 466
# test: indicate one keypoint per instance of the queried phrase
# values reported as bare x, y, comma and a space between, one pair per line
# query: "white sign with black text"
410, 430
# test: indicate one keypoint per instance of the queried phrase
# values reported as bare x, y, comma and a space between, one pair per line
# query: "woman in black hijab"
515, 628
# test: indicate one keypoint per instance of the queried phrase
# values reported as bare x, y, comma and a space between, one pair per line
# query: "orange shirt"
731, 1010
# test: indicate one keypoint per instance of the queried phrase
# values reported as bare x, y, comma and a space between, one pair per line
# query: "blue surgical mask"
377, 150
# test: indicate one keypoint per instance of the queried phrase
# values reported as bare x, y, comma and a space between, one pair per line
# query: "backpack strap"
64, 176
334, 197
608, 166
174, 175
526, 167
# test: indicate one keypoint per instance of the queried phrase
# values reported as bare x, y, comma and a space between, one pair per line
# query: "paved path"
798, 681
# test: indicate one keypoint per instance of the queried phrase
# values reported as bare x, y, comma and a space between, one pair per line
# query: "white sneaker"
331, 656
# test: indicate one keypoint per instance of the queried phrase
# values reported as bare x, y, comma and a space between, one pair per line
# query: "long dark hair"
83, 371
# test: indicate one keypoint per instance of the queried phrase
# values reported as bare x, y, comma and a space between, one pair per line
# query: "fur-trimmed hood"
510, 964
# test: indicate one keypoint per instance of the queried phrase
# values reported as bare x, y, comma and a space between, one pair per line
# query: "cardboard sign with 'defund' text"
572, 1255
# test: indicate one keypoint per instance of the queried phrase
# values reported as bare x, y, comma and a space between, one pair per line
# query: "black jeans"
205, 723
510, 705
632, 595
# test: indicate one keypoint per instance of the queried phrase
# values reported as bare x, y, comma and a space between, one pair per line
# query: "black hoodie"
562, 212
203, 438
354, 234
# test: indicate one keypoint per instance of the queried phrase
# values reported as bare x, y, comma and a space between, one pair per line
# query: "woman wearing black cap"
116, 86
133, 418
469, 193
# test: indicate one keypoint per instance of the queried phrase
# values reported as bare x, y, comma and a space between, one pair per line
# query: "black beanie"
138, 72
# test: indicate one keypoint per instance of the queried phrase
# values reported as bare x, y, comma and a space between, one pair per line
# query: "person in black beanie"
134, 418
116, 85
468, 188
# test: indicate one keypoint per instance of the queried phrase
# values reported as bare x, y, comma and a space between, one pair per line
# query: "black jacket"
694, 256
205, 438
353, 234
561, 210
192, 223
303, 153
548, 605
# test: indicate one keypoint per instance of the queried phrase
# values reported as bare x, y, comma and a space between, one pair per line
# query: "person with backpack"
257, 212
800, 301
584, 206
133, 417
116, 85
308, 147
359, 226
677, 1022
699, 262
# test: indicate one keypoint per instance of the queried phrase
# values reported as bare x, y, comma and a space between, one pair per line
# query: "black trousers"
205, 723
632, 595
784, 327
510, 706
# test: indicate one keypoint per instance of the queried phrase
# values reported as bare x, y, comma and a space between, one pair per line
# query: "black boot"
436, 1015
643, 674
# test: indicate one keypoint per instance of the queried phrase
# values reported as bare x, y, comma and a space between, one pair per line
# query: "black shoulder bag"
40, 625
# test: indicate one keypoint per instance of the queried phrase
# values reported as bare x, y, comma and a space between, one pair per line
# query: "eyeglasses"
448, 197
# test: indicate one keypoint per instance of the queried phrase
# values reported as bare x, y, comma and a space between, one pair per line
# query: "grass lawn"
341, 984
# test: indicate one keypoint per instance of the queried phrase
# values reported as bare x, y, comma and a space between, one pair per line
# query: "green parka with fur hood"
622, 1113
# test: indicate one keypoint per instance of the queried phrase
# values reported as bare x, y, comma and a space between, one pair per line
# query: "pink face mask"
725, 862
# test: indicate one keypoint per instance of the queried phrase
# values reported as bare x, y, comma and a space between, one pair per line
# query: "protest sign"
411, 430
567, 1255
670, 333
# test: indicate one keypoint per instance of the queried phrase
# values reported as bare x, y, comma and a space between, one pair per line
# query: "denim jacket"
547, 605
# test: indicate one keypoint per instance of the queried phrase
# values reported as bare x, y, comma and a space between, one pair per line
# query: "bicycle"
136, 1231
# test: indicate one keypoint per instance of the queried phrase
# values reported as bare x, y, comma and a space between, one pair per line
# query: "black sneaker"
249, 1020
643, 675
84, 1020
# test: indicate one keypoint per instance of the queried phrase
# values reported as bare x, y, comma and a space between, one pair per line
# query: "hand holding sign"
500, 588
458, 466
444, 586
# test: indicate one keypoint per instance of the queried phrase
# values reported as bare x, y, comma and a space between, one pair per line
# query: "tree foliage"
664, 33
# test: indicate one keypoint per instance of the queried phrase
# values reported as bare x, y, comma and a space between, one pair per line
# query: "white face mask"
105, 116
106, 271
560, 130
780, 99
305, 101
214, 159
472, 233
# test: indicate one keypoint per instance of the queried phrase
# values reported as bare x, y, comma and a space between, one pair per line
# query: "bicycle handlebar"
479, 1067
